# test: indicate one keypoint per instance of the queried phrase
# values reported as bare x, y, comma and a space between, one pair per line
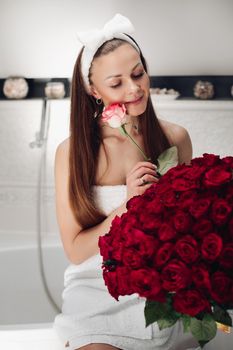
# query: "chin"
134, 111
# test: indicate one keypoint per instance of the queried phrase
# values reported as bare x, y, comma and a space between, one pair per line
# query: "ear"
94, 92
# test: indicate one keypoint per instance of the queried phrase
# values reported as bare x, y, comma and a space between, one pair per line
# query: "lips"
135, 101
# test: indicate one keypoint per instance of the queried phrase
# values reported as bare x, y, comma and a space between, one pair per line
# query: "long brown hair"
85, 141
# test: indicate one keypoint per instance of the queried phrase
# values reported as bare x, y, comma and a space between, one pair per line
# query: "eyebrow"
119, 75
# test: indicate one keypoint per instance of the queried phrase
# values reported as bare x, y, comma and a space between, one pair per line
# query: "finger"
145, 179
144, 188
142, 171
148, 165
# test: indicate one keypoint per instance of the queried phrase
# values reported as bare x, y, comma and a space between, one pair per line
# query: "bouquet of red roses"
174, 247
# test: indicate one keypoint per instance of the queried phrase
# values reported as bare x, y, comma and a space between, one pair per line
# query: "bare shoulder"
63, 147
174, 132
178, 136
62, 154
61, 163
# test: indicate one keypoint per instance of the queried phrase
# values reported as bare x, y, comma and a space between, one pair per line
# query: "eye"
139, 75
115, 86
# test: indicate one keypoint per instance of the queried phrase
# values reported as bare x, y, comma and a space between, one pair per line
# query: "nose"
133, 86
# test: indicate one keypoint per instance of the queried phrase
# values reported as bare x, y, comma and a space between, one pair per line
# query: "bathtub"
26, 315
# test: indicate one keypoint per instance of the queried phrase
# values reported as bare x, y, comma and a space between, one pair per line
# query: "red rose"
208, 160
110, 279
221, 287
135, 203
179, 171
147, 283
226, 257
163, 254
217, 176
168, 198
202, 227
145, 244
230, 228
187, 249
105, 245
228, 161
123, 280
116, 231
190, 302
127, 222
175, 276
182, 184
133, 258
162, 186
117, 251
211, 246
221, 211
154, 206
187, 198
198, 161
148, 222
201, 277
148, 246
182, 221
195, 172
200, 207
229, 193
166, 232
211, 159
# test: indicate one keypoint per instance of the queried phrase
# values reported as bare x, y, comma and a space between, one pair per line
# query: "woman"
97, 170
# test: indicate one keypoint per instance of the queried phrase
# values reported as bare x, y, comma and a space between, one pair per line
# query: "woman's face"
119, 76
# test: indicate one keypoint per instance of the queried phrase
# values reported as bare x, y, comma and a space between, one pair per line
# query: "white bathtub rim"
30, 336
26, 326
18, 241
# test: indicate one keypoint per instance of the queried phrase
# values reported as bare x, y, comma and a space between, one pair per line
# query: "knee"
98, 347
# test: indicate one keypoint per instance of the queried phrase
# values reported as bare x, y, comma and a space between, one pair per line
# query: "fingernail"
155, 166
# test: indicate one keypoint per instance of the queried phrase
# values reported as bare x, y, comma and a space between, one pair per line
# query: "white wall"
178, 37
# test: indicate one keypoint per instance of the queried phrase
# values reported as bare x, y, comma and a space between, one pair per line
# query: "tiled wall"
20, 164
209, 123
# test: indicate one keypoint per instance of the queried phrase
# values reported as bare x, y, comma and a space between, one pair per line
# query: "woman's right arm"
80, 244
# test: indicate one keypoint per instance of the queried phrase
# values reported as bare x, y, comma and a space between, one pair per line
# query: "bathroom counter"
193, 104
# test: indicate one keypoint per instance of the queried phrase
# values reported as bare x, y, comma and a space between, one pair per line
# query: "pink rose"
114, 115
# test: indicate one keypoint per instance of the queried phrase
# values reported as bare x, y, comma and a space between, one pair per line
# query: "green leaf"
202, 343
222, 316
154, 311
167, 322
167, 160
186, 322
109, 262
205, 329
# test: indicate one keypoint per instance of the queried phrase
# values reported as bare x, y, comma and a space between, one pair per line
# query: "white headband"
92, 40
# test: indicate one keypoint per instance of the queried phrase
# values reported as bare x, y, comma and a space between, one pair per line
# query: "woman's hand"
140, 178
